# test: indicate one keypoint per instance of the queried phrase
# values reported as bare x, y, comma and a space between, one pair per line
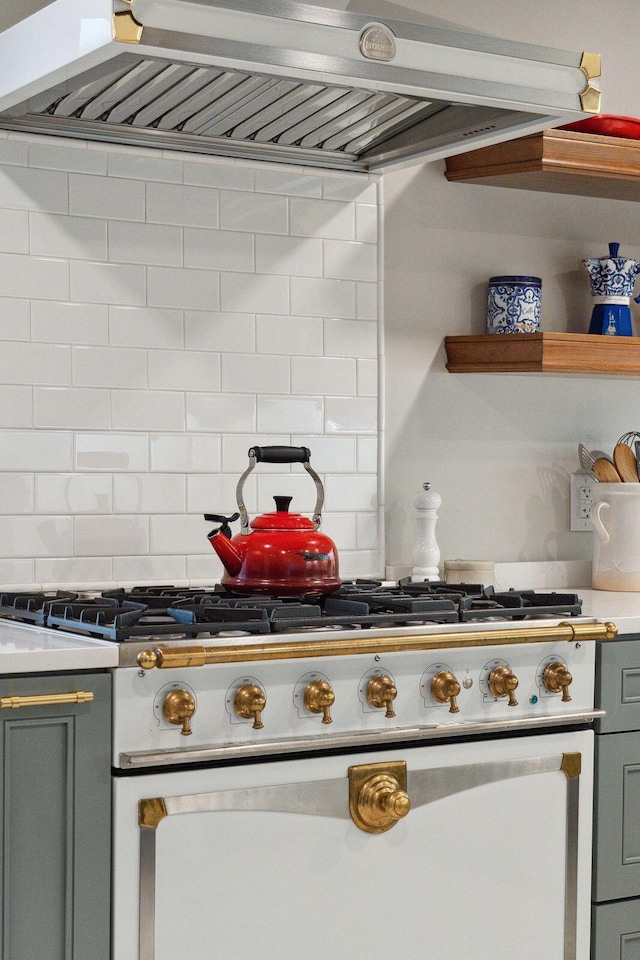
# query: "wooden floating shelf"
560, 353
556, 161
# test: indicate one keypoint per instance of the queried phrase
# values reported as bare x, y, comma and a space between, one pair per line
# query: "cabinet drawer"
616, 848
615, 931
618, 684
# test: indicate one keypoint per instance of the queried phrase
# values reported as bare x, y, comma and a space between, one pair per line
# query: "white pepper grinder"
426, 553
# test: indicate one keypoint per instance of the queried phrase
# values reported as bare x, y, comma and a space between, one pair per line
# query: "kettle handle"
598, 525
279, 455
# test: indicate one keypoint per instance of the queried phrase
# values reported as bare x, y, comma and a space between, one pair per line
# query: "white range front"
350, 812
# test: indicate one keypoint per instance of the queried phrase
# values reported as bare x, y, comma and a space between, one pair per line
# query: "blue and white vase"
612, 281
514, 305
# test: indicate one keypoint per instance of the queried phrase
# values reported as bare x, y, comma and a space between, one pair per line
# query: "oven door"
326, 856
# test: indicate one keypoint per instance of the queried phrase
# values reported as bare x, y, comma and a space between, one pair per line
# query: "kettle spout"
227, 551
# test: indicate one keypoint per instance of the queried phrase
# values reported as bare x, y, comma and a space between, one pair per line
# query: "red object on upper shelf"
607, 126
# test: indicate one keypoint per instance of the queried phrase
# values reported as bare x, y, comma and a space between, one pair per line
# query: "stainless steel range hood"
278, 80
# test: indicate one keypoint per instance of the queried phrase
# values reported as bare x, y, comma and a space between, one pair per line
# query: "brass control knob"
381, 692
381, 803
557, 678
446, 689
178, 707
249, 701
502, 683
319, 698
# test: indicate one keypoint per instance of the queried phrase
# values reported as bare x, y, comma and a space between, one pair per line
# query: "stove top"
163, 612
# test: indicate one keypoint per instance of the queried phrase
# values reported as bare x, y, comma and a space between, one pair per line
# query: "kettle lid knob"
282, 504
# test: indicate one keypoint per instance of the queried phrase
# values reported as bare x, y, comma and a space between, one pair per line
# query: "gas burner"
31, 607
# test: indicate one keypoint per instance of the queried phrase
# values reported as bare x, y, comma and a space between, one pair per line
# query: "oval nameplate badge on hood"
377, 42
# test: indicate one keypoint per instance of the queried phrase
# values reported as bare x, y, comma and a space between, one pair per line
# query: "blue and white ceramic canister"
514, 305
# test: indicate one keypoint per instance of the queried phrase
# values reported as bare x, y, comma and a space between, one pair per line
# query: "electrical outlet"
581, 499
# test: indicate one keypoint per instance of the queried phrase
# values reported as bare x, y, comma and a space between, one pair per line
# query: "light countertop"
623, 608
28, 649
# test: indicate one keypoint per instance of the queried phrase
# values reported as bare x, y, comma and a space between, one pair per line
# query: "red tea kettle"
283, 553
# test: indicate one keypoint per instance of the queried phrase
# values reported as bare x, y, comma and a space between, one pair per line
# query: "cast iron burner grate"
185, 613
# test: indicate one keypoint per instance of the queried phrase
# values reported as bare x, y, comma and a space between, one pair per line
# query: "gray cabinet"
616, 853
55, 805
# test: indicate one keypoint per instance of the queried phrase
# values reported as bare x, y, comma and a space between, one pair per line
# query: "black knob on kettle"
282, 504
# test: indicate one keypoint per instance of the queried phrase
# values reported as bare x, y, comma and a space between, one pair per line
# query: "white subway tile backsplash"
331, 219
367, 378
367, 301
113, 452
291, 256
287, 180
72, 493
366, 223
14, 231
35, 363
218, 249
255, 212
225, 174
322, 297
75, 570
16, 407
221, 412
72, 157
23, 188
71, 407
289, 335
244, 373
109, 366
36, 536
225, 332
143, 165
350, 415
184, 370
108, 198
323, 375
149, 569
254, 293
55, 321
16, 493
335, 454
149, 493
152, 243
178, 533
350, 338
35, 277
356, 188
107, 282
187, 454
216, 493
291, 414
159, 315
181, 204
350, 260
189, 288
112, 536
147, 410
14, 319
146, 327
54, 235
367, 454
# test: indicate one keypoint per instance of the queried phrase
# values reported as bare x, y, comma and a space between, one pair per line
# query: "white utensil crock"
615, 514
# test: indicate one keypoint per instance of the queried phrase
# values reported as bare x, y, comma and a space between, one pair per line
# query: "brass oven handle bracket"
46, 700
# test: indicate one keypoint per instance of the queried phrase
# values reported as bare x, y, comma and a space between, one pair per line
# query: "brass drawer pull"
45, 700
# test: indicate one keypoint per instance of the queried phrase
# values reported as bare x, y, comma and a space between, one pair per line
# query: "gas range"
165, 613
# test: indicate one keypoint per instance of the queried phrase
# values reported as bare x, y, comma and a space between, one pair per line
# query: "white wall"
500, 449
159, 314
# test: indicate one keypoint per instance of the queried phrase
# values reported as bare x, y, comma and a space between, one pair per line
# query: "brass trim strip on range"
165, 656
46, 700
330, 798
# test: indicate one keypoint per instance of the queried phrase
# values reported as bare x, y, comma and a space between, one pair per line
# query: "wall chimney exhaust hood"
279, 80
